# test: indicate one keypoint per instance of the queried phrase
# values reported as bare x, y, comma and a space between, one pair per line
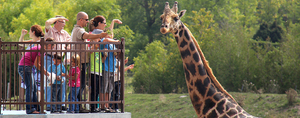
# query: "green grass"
174, 106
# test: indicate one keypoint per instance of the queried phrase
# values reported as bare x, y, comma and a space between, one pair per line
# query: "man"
58, 33
78, 35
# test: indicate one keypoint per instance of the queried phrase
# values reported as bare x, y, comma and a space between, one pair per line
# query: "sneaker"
56, 112
110, 110
70, 111
83, 111
118, 111
63, 108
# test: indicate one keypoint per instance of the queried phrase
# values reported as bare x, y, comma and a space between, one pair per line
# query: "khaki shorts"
108, 82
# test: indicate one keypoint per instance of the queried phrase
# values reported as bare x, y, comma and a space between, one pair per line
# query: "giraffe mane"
209, 71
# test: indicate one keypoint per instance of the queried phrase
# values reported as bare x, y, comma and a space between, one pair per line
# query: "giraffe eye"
175, 19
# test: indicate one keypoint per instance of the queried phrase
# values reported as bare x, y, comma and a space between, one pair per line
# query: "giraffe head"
170, 19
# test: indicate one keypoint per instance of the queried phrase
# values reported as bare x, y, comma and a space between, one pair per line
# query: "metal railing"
12, 95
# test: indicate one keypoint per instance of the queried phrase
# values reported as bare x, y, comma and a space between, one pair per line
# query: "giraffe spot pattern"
186, 34
195, 98
218, 97
201, 70
242, 116
180, 33
192, 47
220, 107
185, 53
187, 75
201, 87
232, 112
211, 90
239, 109
230, 105
196, 104
196, 57
209, 104
183, 43
176, 38
213, 114
191, 68
225, 116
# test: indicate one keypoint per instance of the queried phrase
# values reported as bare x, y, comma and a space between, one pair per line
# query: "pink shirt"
29, 57
58, 36
73, 71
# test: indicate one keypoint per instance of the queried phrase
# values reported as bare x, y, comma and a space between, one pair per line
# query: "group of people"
57, 75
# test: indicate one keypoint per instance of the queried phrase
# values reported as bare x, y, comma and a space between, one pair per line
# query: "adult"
109, 64
35, 74
58, 33
25, 66
79, 35
98, 24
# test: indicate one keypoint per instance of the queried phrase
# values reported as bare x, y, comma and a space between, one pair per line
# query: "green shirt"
96, 63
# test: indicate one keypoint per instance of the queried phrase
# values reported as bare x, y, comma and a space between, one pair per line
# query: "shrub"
291, 95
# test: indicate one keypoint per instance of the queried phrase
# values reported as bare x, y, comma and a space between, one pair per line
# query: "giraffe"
208, 97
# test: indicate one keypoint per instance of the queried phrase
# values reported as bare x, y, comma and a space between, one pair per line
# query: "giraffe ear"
181, 13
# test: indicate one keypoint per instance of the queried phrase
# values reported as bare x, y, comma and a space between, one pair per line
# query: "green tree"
149, 67
8, 10
37, 13
273, 33
107, 8
142, 16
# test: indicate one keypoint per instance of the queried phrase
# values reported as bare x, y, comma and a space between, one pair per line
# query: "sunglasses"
104, 23
84, 19
61, 22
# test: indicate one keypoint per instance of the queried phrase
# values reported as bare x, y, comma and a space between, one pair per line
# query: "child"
57, 69
96, 75
74, 83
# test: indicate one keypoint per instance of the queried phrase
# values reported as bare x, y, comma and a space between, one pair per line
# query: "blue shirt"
111, 60
58, 70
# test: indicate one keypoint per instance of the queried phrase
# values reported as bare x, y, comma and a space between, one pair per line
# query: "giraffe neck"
207, 95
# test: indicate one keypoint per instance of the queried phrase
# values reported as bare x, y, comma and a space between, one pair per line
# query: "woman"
25, 69
99, 23
35, 73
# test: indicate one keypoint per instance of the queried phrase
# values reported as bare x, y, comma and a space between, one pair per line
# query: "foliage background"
224, 29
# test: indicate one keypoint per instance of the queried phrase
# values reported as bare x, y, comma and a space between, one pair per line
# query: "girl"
74, 83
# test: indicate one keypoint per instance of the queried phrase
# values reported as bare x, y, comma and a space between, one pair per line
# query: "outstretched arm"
21, 39
111, 27
93, 36
129, 67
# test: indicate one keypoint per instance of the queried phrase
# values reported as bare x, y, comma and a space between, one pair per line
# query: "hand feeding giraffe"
207, 95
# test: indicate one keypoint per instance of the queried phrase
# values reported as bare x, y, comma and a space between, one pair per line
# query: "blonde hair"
76, 59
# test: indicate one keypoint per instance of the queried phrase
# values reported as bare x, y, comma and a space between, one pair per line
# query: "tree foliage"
253, 41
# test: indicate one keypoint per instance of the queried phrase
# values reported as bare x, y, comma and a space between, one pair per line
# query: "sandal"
34, 112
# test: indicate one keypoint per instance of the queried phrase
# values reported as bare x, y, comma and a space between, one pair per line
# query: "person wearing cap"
58, 33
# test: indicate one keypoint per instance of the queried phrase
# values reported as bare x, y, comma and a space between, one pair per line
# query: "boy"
59, 70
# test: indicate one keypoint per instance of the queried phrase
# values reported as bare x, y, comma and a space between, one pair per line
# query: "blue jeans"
72, 97
82, 79
56, 97
47, 63
31, 89
115, 95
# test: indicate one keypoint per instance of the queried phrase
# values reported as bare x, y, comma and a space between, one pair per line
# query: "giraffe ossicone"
208, 97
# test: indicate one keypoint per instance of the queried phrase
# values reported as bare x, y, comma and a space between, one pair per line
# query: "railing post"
42, 50
122, 74
0, 74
